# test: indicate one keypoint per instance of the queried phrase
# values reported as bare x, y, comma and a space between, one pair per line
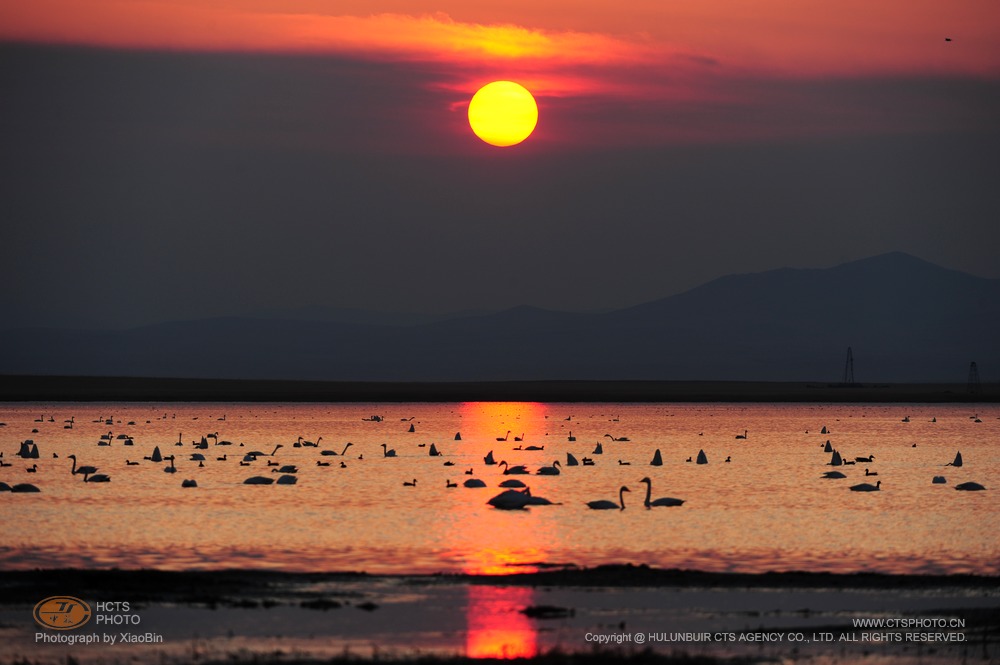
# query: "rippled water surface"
766, 509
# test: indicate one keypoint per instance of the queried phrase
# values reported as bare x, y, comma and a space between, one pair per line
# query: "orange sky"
654, 54
787, 37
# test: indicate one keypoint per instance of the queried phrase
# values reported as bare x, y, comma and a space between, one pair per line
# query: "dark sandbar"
77, 388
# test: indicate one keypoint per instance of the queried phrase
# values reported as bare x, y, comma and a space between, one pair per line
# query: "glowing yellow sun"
503, 113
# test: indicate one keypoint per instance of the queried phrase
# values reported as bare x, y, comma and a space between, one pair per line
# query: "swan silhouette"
742, 436
474, 482
287, 480
969, 487
96, 478
549, 470
571, 437
409, 484
571, 460
258, 480
189, 483
662, 502
834, 475
83, 469
610, 505
449, 484
867, 487
171, 468
386, 452
869, 472
489, 458
509, 500
508, 470
870, 458
513, 482
504, 437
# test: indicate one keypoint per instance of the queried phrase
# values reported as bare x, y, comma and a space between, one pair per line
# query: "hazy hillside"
906, 319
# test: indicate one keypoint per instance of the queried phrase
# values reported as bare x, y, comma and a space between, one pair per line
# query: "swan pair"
611, 505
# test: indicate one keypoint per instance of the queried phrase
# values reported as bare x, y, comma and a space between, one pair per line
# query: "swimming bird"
82, 469
474, 482
508, 470
621, 463
534, 448
131, 463
288, 468
571, 437
388, 453
449, 484
258, 480
32, 469
536, 500
458, 436
189, 483
610, 505
870, 458
588, 462
319, 463
867, 487
702, 458
409, 484
96, 478
742, 436
939, 480
869, 472
957, 461
513, 482
658, 503
509, 500
287, 480
729, 458
571, 460
171, 468
24, 487
549, 470
834, 474
519, 438
504, 437
221, 459
657, 459
489, 458
598, 449
434, 451
970, 487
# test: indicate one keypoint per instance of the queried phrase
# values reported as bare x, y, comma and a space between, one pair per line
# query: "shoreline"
19, 388
21, 586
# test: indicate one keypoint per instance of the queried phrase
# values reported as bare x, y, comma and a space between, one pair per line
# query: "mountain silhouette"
906, 320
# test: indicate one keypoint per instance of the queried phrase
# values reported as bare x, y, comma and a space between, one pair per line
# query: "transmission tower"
974, 387
849, 368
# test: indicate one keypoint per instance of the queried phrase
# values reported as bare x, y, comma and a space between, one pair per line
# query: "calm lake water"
768, 509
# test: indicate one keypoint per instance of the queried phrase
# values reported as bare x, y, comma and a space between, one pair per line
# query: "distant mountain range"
905, 319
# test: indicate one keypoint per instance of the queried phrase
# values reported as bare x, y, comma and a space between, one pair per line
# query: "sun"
503, 113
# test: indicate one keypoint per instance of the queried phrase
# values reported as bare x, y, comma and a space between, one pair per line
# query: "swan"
621, 463
518, 470
588, 462
434, 451
221, 459
870, 458
386, 452
288, 468
657, 459
834, 474
519, 438
412, 429
571, 461
469, 472
571, 437
509, 500
702, 458
970, 487
828, 448
197, 457
4, 487
409, 484
32, 469
867, 487
663, 502
610, 505
939, 480
189, 483
449, 484
513, 482
318, 463
869, 472
504, 437
131, 463
598, 449
82, 469
742, 436
171, 468
836, 459
96, 478
729, 458
535, 448
474, 482
156, 457
458, 436
489, 458
536, 500
549, 470
957, 461
287, 480
258, 480
24, 487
